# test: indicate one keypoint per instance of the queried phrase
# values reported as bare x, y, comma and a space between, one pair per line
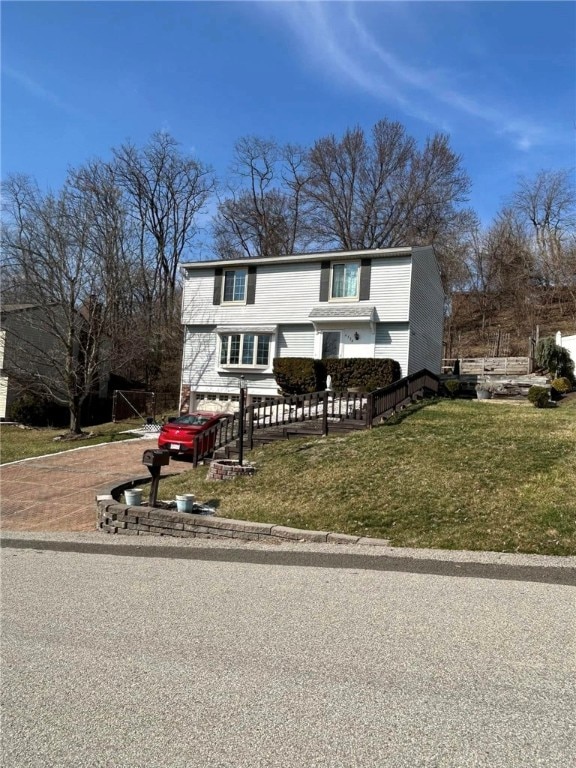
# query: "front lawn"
17, 443
446, 474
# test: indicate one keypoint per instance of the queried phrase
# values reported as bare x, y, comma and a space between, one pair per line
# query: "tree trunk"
75, 406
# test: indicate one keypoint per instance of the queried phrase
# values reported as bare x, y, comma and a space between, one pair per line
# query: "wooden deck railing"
386, 400
324, 407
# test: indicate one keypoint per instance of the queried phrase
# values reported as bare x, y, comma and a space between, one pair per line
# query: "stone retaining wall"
114, 517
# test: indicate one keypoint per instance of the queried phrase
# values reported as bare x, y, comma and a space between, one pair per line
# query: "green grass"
17, 443
447, 474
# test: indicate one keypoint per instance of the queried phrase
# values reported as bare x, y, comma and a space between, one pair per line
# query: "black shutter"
365, 269
251, 287
324, 280
218, 272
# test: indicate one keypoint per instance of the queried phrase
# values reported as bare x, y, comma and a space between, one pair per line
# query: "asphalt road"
115, 660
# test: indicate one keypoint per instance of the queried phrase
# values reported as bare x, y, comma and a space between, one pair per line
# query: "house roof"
6, 308
342, 310
305, 257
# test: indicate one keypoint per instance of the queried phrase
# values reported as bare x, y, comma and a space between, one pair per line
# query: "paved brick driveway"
57, 493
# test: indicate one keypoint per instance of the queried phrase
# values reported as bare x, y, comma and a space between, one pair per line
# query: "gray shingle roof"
342, 310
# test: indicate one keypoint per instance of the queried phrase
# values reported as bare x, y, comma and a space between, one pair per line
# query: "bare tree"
354, 192
511, 263
163, 190
383, 192
262, 213
547, 204
51, 246
112, 242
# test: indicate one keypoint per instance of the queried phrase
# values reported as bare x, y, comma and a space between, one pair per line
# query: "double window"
245, 350
345, 280
234, 290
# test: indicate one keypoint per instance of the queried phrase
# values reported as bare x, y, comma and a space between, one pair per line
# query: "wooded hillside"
478, 327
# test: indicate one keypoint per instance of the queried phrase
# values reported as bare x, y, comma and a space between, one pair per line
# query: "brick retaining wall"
228, 469
114, 517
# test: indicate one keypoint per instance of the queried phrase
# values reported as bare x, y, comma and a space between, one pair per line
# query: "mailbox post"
155, 460
241, 415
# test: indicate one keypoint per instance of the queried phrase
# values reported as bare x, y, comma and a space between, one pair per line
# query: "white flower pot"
185, 502
133, 497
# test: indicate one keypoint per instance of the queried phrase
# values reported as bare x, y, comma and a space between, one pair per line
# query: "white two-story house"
239, 315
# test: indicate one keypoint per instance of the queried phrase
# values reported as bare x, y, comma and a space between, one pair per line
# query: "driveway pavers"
57, 492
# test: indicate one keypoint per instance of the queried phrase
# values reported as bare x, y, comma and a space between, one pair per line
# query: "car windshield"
192, 419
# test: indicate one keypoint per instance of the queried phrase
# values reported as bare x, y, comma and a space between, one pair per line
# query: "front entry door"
331, 344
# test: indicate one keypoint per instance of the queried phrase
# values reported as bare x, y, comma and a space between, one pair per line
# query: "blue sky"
81, 77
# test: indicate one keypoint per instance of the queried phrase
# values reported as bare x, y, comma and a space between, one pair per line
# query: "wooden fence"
323, 408
495, 366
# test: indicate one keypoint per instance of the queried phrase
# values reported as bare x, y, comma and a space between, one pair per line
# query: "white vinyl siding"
3, 395
199, 359
426, 313
392, 341
287, 292
296, 341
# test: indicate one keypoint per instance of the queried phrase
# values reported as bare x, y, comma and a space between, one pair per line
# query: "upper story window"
234, 289
345, 280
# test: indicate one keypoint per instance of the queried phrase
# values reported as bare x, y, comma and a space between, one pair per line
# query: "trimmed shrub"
364, 373
562, 385
298, 375
539, 396
452, 386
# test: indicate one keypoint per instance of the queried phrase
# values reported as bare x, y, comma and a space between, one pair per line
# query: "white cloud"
339, 42
39, 91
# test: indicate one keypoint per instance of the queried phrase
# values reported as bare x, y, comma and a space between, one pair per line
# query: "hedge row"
299, 375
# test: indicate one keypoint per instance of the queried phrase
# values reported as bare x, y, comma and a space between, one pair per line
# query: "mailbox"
156, 458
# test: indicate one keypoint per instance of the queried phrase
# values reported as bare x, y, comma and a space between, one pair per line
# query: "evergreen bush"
452, 386
562, 385
363, 373
554, 358
539, 396
298, 375
35, 411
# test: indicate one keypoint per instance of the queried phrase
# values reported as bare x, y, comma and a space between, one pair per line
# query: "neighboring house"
3, 377
31, 355
569, 343
22, 333
239, 315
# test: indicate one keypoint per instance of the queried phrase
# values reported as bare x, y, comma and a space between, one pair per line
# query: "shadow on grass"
401, 416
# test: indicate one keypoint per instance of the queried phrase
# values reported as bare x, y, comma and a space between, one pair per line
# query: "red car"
177, 436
